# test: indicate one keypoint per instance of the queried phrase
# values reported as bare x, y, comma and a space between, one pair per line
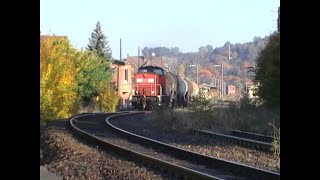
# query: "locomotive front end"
148, 88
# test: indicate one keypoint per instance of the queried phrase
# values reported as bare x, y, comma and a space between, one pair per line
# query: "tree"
99, 44
91, 76
268, 71
181, 70
278, 22
57, 82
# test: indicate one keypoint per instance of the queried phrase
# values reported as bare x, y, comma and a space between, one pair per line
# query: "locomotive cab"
151, 69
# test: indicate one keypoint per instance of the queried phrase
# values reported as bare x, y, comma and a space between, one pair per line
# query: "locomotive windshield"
151, 69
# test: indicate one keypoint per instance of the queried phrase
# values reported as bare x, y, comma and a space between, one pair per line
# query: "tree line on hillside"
242, 56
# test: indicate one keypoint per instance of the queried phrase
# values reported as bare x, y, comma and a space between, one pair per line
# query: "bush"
91, 77
108, 99
202, 109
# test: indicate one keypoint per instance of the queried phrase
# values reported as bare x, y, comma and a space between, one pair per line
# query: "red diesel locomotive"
153, 87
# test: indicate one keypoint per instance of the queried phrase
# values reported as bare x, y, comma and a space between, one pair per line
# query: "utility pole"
229, 51
219, 87
197, 77
222, 82
138, 57
152, 54
222, 79
193, 65
120, 49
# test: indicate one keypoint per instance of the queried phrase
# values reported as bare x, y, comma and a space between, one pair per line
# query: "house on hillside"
252, 89
210, 91
135, 62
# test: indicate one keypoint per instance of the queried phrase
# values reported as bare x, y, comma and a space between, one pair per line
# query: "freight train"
156, 87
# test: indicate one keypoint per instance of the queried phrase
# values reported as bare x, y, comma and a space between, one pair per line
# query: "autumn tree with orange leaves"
57, 82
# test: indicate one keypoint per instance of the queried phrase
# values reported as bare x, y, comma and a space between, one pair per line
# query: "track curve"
94, 131
241, 171
177, 161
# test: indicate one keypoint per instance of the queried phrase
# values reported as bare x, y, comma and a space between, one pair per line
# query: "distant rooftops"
140, 61
118, 62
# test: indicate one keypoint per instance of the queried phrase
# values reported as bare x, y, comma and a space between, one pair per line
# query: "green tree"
91, 76
99, 44
268, 71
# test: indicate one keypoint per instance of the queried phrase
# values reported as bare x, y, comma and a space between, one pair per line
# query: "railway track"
238, 139
92, 127
253, 136
176, 161
242, 134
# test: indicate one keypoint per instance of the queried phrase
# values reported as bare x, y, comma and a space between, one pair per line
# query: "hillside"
242, 56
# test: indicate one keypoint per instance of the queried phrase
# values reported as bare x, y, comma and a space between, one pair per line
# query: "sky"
187, 24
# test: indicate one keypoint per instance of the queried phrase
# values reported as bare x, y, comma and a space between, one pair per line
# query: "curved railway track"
182, 163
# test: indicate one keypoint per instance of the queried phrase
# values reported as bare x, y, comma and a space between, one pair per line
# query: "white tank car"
170, 83
183, 86
193, 88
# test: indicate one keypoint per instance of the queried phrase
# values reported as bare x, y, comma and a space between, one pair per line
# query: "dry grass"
246, 117
276, 143
202, 114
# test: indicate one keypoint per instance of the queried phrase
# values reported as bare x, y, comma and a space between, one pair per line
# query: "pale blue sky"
187, 24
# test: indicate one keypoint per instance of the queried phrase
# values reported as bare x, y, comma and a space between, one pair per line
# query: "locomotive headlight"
152, 92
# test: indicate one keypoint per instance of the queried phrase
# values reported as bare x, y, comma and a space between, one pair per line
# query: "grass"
203, 114
276, 143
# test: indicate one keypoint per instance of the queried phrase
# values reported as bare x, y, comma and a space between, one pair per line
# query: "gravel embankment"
64, 155
200, 144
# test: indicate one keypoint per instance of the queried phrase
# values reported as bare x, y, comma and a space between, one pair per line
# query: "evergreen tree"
99, 44
268, 71
278, 19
